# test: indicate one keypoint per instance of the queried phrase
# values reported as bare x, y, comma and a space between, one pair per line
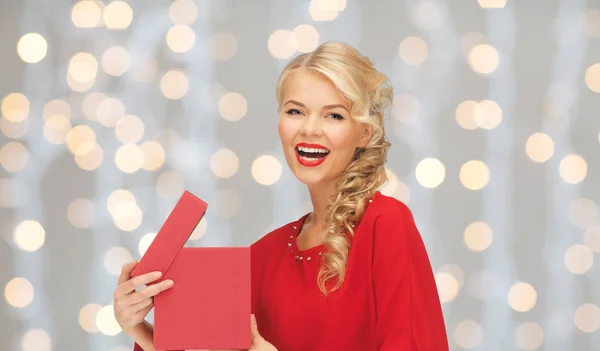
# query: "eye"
294, 112
336, 116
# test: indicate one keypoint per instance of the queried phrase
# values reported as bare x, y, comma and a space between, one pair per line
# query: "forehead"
313, 89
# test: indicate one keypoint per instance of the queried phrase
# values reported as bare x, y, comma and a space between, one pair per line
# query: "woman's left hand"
258, 342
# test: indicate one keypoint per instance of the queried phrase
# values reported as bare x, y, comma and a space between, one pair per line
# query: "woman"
353, 274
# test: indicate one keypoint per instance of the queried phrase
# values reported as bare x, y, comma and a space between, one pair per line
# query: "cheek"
286, 131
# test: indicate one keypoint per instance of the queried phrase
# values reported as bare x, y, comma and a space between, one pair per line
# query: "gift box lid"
172, 236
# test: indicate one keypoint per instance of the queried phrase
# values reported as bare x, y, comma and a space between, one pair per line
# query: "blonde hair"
370, 95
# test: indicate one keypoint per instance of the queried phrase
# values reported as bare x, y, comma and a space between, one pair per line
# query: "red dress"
388, 300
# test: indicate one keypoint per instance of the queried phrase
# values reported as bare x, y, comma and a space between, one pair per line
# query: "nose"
311, 126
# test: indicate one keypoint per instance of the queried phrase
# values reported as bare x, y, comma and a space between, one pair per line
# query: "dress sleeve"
409, 314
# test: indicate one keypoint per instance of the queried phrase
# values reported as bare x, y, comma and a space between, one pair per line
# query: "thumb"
254, 328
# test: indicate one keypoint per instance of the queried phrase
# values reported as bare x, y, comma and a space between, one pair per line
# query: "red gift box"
208, 307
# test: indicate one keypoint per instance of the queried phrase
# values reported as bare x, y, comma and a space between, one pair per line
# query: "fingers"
136, 308
148, 292
126, 271
133, 283
254, 330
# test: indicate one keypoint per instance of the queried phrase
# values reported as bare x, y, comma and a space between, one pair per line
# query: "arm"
143, 334
409, 314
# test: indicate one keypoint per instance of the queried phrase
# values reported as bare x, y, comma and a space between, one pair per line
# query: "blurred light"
325, 10
468, 334
266, 170
389, 188
474, 175
174, 85
229, 202
430, 172
106, 322
32, 47
183, 12
447, 286
427, 15
90, 104
115, 258
583, 213
81, 140
13, 156
455, 271
223, 46
83, 67
91, 160
36, 340
573, 169
591, 237
86, 14
15, 107
224, 163
56, 129
78, 86
307, 37
483, 59
592, 23
80, 213
14, 130
406, 108
9, 192
529, 336
29, 235
232, 107
413, 51
470, 40
539, 147
492, 4
522, 297
587, 318
127, 217
110, 111
129, 158
487, 114
200, 230
116, 61
170, 185
19, 292
402, 192
154, 155
579, 259
592, 77
87, 317
180, 38
145, 242
117, 15
282, 44
117, 197
57, 108
129, 129
465, 114
478, 236
143, 69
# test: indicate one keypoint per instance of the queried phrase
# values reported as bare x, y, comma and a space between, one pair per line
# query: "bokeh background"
109, 110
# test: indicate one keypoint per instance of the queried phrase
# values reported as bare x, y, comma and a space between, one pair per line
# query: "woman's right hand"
130, 306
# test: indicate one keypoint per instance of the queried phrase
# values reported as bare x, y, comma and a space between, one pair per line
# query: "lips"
311, 155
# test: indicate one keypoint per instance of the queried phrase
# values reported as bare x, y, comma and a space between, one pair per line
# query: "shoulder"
389, 209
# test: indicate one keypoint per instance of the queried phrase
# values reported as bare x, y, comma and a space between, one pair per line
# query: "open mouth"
310, 154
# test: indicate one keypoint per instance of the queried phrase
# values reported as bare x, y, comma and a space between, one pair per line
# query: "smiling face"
318, 135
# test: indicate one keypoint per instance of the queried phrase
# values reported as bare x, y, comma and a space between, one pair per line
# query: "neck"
319, 195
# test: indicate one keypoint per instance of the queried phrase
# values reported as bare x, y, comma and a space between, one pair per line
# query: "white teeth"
309, 159
307, 149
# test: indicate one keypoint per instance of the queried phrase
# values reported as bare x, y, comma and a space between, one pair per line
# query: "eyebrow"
326, 107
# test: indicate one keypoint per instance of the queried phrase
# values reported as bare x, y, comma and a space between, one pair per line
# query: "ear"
367, 133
